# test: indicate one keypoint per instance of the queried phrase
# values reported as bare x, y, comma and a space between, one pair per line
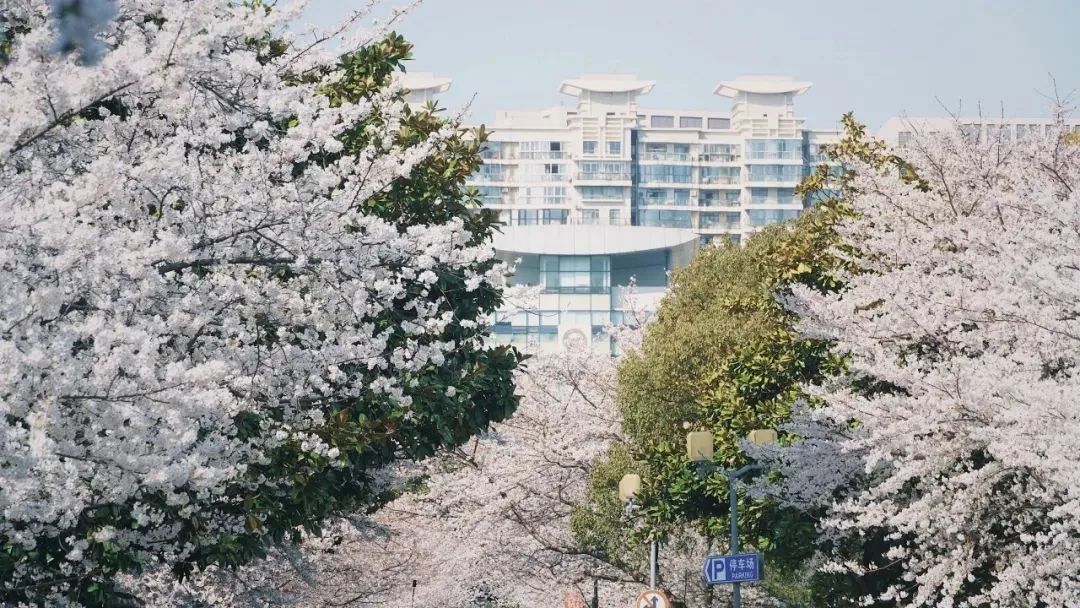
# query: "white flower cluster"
177, 247
967, 316
492, 518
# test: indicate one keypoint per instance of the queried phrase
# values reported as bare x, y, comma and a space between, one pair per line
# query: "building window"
614, 148
575, 273
614, 216
774, 149
720, 175
542, 196
490, 150
489, 195
719, 123
590, 216
764, 217
533, 217
588, 147
720, 152
675, 174
776, 173
669, 219
605, 171
488, 173
602, 192
759, 196
903, 138
689, 122
540, 149
662, 122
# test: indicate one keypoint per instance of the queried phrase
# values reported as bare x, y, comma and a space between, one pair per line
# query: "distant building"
582, 272
899, 130
606, 161
593, 195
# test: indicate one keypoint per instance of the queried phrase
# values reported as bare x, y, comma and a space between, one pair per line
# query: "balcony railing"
719, 158
720, 179
647, 155
530, 154
486, 177
652, 202
604, 177
774, 155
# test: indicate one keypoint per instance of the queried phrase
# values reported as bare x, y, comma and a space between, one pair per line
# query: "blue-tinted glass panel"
775, 173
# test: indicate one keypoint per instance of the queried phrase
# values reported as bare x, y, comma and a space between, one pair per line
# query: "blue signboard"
741, 568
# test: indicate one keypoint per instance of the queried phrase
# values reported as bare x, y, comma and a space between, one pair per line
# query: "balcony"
719, 158
486, 177
775, 155
720, 226
719, 204
720, 180
652, 202
603, 177
667, 156
541, 155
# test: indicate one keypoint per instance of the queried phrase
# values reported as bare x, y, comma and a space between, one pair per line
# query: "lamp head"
629, 486
699, 446
762, 436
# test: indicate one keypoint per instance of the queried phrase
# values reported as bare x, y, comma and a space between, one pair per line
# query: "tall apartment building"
720, 174
597, 193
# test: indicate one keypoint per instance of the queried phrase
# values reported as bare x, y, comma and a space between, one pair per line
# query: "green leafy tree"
721, 356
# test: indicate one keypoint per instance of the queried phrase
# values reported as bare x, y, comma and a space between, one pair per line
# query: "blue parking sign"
741, 568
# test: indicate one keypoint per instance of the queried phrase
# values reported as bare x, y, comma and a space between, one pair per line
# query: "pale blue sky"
877, 58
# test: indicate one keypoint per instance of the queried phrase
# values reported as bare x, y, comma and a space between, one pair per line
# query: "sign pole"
653, 550
736, 591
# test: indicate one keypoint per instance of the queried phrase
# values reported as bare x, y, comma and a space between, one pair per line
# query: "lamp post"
699, 448
629, 486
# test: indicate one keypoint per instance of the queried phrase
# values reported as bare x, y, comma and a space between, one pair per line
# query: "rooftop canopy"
590, 239
769, 85
606, 83
424, 81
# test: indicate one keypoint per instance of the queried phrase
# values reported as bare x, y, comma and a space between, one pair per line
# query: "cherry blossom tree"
952, 437
487, 524
241, 277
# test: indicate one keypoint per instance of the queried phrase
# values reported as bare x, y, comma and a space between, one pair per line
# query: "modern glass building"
582, 273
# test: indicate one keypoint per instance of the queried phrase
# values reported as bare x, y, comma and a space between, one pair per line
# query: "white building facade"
604, 191
899, 130
607, 161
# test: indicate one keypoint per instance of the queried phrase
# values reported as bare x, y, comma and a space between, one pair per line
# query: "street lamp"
699, 449
629, 486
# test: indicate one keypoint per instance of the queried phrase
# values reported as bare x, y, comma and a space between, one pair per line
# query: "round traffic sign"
653, 598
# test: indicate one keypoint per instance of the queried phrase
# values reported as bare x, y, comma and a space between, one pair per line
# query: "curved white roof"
761, 84
589, 239
424, 81
606, 83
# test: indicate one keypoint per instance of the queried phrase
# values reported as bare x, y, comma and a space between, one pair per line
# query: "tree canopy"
241, 276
